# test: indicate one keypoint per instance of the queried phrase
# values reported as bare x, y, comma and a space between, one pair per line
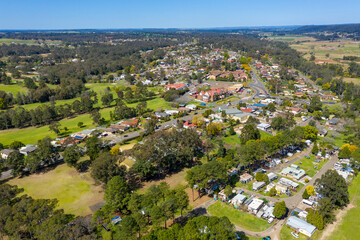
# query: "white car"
295, 234
286, 160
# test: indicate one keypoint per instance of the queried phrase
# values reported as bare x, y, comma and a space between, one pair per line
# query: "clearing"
75, 191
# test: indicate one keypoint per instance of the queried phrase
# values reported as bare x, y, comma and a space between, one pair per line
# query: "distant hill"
343, 28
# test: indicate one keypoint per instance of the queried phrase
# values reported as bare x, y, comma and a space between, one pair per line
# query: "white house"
192, 107
264, 126
238, 199
255, 205
301, 226
258, 185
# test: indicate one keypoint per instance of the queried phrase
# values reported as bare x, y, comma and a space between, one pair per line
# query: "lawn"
13, 88
30, 42
238, 217
233, 140
309, 165
285, 234
351, 221
75, 191
31, 135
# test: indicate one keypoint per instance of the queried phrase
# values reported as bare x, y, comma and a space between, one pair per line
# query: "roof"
245, 176
263, 125
288, 182
28, 149
257, 185
239, 198
259, 105
297, 223
294, 171
272, 175
256, 203
7, 151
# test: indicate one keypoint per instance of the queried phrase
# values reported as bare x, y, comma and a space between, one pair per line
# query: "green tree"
182, 199
305, 195
315, 149
93, 146
249, 132
105, 167
55, 127
117, 194
272, 192
15, 161
310, 133
16, 145
80, 124
72, 155
228, 191
280, 210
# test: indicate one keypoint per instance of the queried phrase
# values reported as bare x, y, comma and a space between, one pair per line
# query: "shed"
245, 178
258, 185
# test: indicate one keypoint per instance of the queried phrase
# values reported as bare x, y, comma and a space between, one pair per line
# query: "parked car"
266, 238
295, 234
286, 160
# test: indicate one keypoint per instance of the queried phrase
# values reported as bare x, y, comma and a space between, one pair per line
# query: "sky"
111, 14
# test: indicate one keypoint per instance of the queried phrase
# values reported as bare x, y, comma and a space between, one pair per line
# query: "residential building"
301, 226
288, 182
255, 205
246, 178
176, 86
258, 185
263, 126
294, 171
28, 149
272, 176
237, 114
239, 199
6, 152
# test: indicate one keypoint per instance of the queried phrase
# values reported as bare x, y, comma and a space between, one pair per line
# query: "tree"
310, 133
182, 199
326, 208
261, 177
228, 191
93, 146
315, 104
334, 187
344, 153
271, 107
16, 145
272, 192
55, 127
80, 124
221, 150
315, 149
96, 117
310, 190
199, 121
115, 150
117, 194
231, 130
150, 125
128, 229
214, 129
72, 155
249, 132
305, 195
280, 210
15, 162
144, 169
315, 218
105, 167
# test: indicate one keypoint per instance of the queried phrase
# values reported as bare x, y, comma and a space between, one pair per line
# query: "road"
308, 81
257, 85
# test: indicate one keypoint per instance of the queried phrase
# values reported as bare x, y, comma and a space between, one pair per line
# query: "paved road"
308, 81
257, 85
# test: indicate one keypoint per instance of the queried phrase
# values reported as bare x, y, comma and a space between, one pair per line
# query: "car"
196, 113
266, 238
308, 157
286, 160
126, 135
295, 234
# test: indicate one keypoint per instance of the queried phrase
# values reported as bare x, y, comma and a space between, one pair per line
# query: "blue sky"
82, 14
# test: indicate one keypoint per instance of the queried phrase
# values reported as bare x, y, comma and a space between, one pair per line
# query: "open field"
31, 135
291, 38
75, 191
238, 217
13, 88
30, 42
353, 80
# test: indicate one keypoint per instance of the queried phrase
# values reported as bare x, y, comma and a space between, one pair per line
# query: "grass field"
13, 88
309, 165
31, 135
30, 42
75, 191
351, 221
238, 217
353, 80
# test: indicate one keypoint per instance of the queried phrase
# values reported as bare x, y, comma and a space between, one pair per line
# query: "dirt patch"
339, 217
197, 201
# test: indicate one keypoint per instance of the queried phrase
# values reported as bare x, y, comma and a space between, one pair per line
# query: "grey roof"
28, 149
297, 223
237, 113
7, 151
239, 197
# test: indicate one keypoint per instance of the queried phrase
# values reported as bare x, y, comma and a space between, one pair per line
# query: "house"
133, 123
246, 178
233, 171
288, 183
121, 128
239, 199
333, 122
272, 176
263, 126
6, 152
213, 94
176, 86
258, 185
255, 205
294, 171
323, 132
110, 130
28, 149
191, 107
237, 114
222, 195
301, 226
259, 105
188, 124
171, 112
161, 115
